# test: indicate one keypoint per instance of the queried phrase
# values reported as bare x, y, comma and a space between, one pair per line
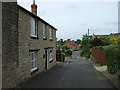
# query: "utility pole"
88, 35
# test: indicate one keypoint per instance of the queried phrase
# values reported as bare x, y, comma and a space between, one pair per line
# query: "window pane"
32, 66
44, 31
35, 63
50, 33
33, 27
36, 27
50, 54
34, 60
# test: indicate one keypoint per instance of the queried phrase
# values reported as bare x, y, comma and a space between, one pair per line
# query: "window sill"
51, 60
35, 70
51, 39
33, 37
44, 38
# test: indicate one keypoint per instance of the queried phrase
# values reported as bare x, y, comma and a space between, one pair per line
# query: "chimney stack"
34, 8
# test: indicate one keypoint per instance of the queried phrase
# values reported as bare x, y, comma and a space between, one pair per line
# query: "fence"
99, 56
58, 55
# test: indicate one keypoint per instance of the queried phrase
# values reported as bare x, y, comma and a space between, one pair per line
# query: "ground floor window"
50, 54
34, 60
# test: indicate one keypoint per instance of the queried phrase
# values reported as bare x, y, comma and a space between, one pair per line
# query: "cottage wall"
9, 45
27, 43
17, 42
0, 45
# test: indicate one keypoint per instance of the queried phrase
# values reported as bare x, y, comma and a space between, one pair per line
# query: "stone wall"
9, 44
27, 43
0, 45
17, 42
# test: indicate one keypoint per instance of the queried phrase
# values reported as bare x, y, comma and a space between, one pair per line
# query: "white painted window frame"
44, 31
34, 28
50, 54
34, 60
51, 34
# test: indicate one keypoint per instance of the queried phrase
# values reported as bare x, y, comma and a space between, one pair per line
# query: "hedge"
85, 52
98, 47
68, 52
63, 56
113, 58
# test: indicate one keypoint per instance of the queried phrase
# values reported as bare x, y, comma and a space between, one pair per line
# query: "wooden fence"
99, 56
58, 55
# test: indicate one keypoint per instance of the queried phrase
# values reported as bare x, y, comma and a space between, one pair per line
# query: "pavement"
75, 72
111, 78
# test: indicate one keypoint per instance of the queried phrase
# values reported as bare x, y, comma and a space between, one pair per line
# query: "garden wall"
99, 55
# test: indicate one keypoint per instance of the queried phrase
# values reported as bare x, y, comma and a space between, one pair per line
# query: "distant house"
72, 45
28, 44
107, 36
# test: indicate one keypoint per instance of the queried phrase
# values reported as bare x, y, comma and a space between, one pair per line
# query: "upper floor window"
34, 28
51, 34
44, 31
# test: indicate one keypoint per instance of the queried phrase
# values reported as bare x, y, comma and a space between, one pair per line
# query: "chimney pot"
34, 8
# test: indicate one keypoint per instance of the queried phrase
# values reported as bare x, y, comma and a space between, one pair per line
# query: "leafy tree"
68, 40
96, 42
64, 47
60, 42
78, 41
105, 40
85, 40
114, 40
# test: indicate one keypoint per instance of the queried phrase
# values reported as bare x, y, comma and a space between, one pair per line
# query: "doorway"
46, 58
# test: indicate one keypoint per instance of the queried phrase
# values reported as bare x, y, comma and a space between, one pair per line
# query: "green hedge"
63, 57
68, 52
113, 58
98, 47
85, 52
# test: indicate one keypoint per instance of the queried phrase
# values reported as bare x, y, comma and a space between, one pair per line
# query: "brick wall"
9, 44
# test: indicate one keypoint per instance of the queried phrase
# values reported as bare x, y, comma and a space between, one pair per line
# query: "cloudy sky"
73, 18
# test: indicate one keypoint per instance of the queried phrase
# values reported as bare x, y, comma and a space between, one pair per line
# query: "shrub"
63, 56
68, 52
114, 40
58, 47
98, 47
113, 58
64, 47
105, 40
85, 51
96, 42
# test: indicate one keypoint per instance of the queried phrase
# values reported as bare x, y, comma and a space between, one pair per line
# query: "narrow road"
73, 73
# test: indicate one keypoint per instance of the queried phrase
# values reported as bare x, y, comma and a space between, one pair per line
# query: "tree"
78, 41
68, 40
105, 40
85, 40
114, 40
64, 47
96, 42
60, 42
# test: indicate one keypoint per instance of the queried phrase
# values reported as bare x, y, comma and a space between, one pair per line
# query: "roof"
107, 35
36, 16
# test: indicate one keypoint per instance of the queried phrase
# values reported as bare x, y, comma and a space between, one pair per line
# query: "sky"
73, 18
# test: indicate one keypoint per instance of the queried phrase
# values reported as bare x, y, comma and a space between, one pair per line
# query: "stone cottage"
28, 44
